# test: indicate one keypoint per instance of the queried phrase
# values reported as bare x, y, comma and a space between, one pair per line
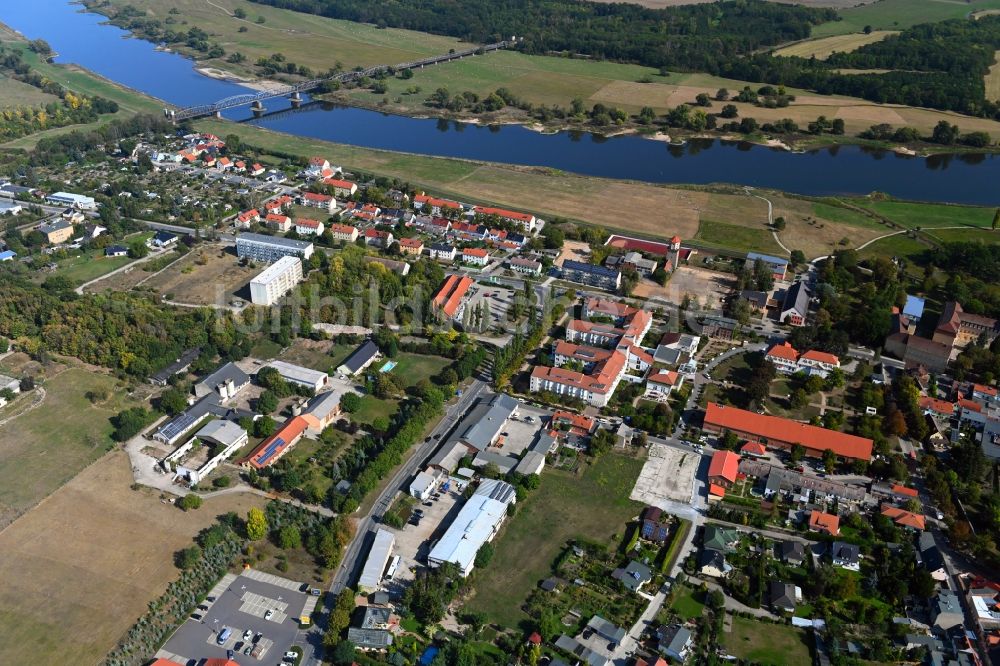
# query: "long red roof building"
785, 433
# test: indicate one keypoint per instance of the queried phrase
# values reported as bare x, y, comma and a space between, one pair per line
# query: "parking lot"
266, 606
413, 542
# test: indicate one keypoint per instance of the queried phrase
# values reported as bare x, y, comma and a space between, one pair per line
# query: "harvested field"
206, 276
80, 568
43, 446
993, 79
823, 48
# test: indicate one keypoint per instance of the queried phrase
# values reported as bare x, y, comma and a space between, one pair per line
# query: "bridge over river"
294, 91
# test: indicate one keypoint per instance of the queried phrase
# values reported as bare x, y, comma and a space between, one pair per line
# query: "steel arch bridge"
305, 86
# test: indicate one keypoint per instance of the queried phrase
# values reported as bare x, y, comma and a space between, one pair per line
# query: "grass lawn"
900, 14
14, 93
372, 408
592, 505
766, 643
92, 264
955, 235
925, 216
45, 447
265, 348
411, 368
689, 604
846, 216
823, 48
900, 245
721, 234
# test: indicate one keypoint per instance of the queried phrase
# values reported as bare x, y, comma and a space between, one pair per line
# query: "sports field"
823, 48
45, 445
81, 567
594, 505
900, 14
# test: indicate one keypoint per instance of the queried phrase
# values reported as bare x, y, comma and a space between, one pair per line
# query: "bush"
222, 482
189, 502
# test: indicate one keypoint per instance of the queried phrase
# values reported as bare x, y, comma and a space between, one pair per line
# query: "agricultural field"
766, 643
592, 505
44, 445
13, 94
205, 276
304, 39
557, 81
824, 47
69, 600
900, 14
720, 234
928, 216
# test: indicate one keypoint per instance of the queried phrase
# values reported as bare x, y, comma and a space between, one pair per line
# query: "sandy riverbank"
223, 75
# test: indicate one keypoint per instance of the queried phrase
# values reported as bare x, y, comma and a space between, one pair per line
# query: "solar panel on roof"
270, 450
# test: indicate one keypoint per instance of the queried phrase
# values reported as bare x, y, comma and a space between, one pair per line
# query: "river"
79, 37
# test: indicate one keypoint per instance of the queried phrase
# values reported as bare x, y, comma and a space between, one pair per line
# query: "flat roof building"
485, 428
378, 559
589, 274
476, 524
276, 280
301, 376
258, 247
71, 199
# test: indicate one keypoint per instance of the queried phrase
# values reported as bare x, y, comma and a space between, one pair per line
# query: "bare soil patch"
204, 276
80, 568
709, 287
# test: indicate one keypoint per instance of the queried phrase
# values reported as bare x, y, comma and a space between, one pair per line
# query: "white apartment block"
275, 281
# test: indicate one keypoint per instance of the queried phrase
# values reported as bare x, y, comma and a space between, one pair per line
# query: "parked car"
247, 635
268, 613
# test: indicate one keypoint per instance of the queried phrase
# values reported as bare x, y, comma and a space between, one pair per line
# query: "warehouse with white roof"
476, 524
378, 559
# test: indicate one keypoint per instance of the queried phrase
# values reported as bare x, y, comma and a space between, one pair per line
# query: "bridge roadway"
305, 86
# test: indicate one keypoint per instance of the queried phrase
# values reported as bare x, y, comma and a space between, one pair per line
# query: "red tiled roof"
506, 214
475, 252
336, 182
820, 357
411, 242
939, 406
450, 295
971, 405
783, 351
342, 229
317, 161
717, 490
627, 243
785, 430
904, 517
574, 420
306, 222
725, 464
434, 202
315, 196
535, 638
280, 219
903, 490
600, 381
824, 522
289, 431
164, 662
986, 390
581, 352
668, 377
754, 449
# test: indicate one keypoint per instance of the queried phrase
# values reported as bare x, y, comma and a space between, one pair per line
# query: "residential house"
362, 357
524, 220
675, 642
307, 227
450, 298
721, 328
475, 256
792, 552
931, 558
753, 450
756, 300
825, 523
116, 251
321, 201
784, 596
722, 539
903, 518
247, 218
280, 223
344, 233
660, 385
786, 359
845, 555
654, 527
256, 169
722, 472
441, 251
713, 563
411, 246
525, 266
946, 610
163, 239
379, 238
373, 635
633, 575
341, 188
433, 205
